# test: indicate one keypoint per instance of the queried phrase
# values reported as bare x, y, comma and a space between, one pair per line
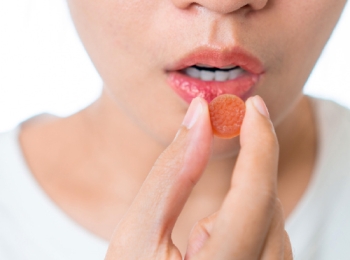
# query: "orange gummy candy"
226, 115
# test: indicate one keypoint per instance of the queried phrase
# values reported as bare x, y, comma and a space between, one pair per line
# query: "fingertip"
196, 113
203, 124
257, 104
193, 113
260, 106
257, 124
193, 141
256, 112
200, 136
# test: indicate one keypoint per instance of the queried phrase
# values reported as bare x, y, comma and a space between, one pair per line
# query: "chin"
225, 148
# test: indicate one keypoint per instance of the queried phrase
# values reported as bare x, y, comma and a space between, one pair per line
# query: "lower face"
155, 56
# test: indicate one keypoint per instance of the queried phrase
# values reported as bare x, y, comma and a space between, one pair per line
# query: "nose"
222, 6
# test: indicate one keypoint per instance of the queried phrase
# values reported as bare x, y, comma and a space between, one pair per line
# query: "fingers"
199, 235
164, 192
246, 213
288, 252
274, 247
277, 244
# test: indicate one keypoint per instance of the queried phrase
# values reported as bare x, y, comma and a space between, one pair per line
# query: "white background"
44, 67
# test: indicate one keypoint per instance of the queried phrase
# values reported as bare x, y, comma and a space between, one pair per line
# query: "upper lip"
220, 57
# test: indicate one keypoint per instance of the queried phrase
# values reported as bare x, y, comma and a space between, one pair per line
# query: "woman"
114, 171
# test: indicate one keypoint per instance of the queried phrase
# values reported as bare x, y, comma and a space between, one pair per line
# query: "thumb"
165, 191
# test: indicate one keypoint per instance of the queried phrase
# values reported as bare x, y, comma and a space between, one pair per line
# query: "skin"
255, 233
86, 162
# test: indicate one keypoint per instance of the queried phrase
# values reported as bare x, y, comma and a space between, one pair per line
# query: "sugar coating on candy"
226, 114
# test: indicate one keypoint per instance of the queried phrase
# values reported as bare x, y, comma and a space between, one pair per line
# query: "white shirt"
33, 227
319, 226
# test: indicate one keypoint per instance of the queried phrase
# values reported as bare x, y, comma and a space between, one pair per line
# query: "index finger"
247, 210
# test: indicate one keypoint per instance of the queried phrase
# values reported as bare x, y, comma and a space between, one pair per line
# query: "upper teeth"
211, 67
214, 74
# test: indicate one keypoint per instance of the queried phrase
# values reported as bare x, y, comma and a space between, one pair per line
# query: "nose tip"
222, 6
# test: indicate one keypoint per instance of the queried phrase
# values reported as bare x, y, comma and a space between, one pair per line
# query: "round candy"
226, 115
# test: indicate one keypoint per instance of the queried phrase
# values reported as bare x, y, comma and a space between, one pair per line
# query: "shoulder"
10, 148
333, 123
8, 151
333, 165
328, 111
321, 216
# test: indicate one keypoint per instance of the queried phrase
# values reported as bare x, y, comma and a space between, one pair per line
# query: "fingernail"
193, 113
260, 106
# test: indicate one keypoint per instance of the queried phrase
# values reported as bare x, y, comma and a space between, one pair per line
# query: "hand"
249, 224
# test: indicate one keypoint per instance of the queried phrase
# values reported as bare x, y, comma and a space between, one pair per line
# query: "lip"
188, 88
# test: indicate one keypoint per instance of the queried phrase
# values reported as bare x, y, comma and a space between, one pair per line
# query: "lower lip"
188, 88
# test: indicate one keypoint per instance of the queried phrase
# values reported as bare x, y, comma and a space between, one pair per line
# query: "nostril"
221, 6
258, 4
185, 5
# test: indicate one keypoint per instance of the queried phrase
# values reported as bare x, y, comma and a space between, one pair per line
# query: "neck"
93, 163
298, 150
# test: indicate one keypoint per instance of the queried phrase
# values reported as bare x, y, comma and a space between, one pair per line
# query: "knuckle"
270, 140
279, 207
268, 199
269, 135
279, 215
166, 167
200, 228
168, 161
288, 252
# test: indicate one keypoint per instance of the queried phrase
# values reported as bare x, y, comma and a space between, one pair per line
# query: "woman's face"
145, 51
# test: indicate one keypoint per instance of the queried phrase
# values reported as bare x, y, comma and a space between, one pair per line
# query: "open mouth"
208, 73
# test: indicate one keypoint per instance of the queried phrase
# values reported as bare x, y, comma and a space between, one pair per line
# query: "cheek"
115, 33
120, 37
294, 34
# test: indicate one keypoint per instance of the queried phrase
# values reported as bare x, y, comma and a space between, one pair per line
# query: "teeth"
211, 67
233, 74
207, 75
193, 72
221, 75
217, 75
